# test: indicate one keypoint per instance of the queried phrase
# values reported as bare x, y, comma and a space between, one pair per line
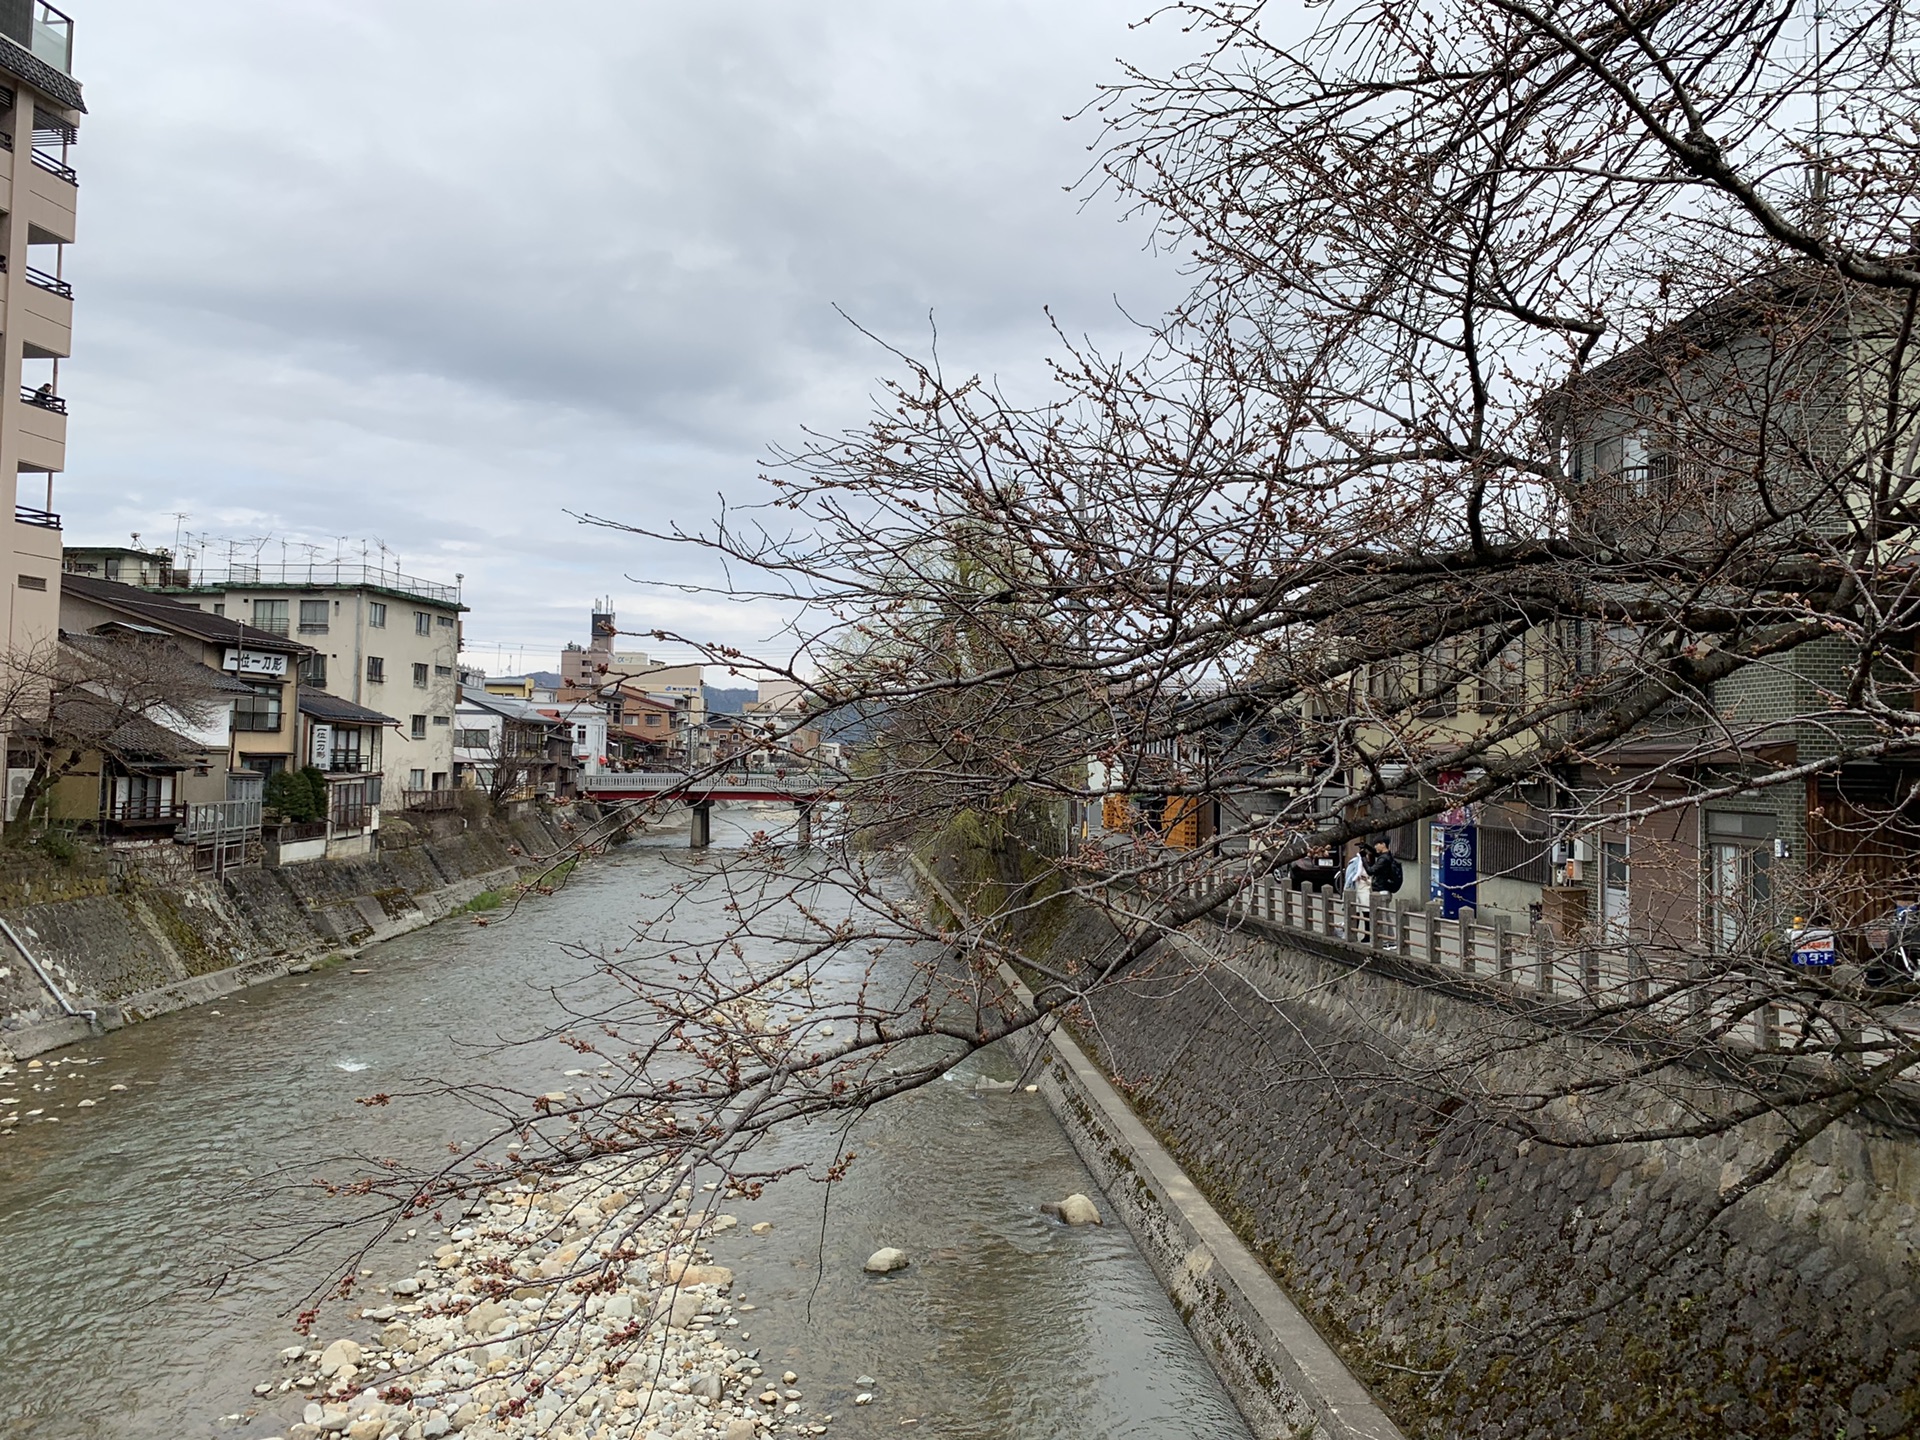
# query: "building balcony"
43, 432
44, 398
27, 515
351, 762
143, 816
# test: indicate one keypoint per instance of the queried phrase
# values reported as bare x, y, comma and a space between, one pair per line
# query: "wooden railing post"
1464, 922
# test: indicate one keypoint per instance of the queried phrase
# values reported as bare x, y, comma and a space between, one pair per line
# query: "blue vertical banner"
1454, 874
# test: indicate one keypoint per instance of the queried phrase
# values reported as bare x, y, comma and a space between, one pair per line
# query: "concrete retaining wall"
1325, 1110
156, 936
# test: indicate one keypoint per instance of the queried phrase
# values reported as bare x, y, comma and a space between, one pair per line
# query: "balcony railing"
349, 762
52, 37
49, 282
52, 166
431, 799
272, 624
146, 810
325, 574
215, 818
45, 519
44, 398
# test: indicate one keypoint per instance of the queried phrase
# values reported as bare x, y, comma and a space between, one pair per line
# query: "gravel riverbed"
582, 1311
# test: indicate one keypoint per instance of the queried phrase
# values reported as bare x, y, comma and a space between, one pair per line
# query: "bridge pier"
805, 837
702, 836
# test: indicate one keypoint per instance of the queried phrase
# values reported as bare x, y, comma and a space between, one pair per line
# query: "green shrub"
291, 794
317, 787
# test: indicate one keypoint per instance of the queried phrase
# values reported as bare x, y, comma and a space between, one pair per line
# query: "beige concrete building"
40, 110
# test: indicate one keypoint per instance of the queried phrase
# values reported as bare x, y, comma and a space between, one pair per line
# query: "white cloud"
437, 272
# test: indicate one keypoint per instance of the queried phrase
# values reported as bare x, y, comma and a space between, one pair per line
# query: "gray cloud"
439, 271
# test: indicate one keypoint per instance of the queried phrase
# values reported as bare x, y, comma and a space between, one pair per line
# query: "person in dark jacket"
1384, 874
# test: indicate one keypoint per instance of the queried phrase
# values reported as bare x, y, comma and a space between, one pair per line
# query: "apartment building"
40, 110
387, 641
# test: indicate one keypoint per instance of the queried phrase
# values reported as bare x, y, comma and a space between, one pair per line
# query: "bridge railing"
655, 782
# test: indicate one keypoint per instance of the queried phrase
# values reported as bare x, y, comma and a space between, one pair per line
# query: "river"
114, 1215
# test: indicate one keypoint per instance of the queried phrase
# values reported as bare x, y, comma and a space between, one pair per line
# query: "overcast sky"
432, 272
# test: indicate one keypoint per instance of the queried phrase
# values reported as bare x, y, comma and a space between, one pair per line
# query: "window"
416, 779
422, 623
263, 765
420, 676
418, 729
270, 616
653, 719
472, 739
348, 805
313, 670
313, 617
376, 614
446, 621
259, 710
376, 670
219, 607
443, 671
33, 582
443, 720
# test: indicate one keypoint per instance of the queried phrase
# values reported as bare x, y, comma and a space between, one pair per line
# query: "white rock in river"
1074, 1210
620, 1307
435, 1426
337, 1356
883, 1262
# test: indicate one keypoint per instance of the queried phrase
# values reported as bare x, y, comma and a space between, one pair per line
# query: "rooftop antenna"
1818, 196
180, 517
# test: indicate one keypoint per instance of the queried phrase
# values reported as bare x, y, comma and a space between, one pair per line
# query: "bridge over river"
802, 788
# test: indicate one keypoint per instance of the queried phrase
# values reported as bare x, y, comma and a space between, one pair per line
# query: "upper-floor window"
472, 739
420, 676
443, 720
270, 616
376, 669
313, 617
377, 614
259, 710
417, 727
443, 670
313, 670
422, 623
446, 621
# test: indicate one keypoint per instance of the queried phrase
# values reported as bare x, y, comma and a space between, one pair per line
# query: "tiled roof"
176, 618
322, 706
28, 68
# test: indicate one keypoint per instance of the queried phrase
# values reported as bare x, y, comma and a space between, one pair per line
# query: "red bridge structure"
801, 788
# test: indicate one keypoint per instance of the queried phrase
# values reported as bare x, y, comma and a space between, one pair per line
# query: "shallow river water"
113, 1217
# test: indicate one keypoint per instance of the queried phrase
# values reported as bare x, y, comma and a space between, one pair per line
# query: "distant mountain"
545, 679
729, 702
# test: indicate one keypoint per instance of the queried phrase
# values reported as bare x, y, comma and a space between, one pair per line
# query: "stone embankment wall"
136, 934
1316, 1102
